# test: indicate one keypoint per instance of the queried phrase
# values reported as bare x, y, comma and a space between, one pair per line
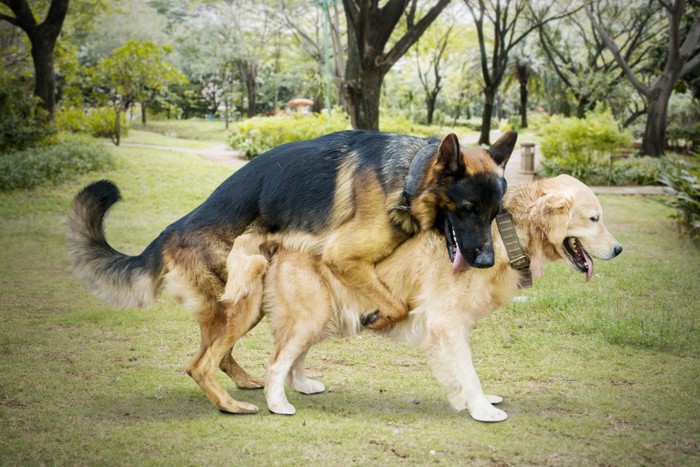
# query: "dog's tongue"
459, 265
589, 264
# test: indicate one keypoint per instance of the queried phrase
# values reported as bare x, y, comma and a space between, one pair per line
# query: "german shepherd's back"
291, 188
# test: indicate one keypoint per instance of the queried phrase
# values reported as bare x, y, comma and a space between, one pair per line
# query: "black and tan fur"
558, 218
339, 197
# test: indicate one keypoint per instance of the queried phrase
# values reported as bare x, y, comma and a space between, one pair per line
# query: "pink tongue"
459, 264
589, 263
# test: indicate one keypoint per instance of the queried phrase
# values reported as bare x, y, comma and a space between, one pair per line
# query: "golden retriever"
557, 218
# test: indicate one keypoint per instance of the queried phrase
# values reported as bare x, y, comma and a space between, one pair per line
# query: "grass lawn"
605, 372
200, 130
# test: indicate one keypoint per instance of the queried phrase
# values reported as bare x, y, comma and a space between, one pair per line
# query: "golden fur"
307, 303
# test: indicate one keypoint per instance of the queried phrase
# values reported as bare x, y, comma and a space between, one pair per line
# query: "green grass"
604, 372
151, 138
201, 130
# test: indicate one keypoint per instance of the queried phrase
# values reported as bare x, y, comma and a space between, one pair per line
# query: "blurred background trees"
479, 63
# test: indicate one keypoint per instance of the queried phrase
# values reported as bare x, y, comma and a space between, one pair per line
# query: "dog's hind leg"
228, 324
230, 366
246, 264
298, 379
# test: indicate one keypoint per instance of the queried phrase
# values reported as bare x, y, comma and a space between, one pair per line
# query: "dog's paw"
240, 408
283, 408
370, 318
309, 386
485, 412
495, 400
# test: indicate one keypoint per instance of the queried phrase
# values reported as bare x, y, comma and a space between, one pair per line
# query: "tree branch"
610, 44
412, 35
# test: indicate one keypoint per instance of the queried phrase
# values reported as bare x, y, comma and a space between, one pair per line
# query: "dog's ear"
448, 160
501, 150
551, 213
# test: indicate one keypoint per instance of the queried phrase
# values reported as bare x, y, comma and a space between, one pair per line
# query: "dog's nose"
484, 259
617, 250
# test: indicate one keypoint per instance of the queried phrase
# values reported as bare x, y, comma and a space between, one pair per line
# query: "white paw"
282, 408
485, 412
495, 400
309, 386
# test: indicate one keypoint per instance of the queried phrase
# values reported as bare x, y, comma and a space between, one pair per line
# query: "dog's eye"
466, 206
595, 218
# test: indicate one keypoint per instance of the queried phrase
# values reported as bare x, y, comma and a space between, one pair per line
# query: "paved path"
223, 154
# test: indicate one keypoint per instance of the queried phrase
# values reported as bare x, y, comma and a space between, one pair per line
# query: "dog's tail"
118, 279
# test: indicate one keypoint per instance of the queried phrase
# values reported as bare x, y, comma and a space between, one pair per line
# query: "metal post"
527, 158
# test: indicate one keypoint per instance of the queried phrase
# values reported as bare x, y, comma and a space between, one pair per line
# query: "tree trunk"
584, 104
44, 76
252, 88
116, 137
250, 73
523, 78
430, 100
654, 140
489, 98
362, 91
143, 112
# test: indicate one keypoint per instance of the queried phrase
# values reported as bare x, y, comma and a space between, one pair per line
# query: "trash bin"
527, 158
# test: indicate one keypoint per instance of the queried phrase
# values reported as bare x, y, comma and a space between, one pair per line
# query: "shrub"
63, 159
404, 126
259, 134
72, 120
684, 136
681, 185
587, 149
511, 123
101, 121
22, 121
98, 122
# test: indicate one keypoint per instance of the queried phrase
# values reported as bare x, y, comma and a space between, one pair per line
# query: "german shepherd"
558, 218
350, 198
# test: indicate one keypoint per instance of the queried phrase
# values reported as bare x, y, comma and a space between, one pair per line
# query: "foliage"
98, 122
681, 185
22, 121
259, 134
587, 148
58, 161
684, 136
135, 72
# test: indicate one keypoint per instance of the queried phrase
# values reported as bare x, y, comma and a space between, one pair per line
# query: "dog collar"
517, 257
414, 176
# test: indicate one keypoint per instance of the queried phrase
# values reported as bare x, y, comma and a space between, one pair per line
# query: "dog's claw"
370, 318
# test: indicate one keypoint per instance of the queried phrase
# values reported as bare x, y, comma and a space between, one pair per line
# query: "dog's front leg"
450, 358
361, 277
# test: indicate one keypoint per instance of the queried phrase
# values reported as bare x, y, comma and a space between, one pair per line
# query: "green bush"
22, 121
510, 123
72, 120
61, 160
588, 149
101, 122
684, 136
98, 122
259, 134
681, 185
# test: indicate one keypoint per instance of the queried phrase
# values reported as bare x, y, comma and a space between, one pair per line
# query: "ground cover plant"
603, 372
54, 160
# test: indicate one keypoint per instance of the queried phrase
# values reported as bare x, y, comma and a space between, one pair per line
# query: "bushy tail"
118, 279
